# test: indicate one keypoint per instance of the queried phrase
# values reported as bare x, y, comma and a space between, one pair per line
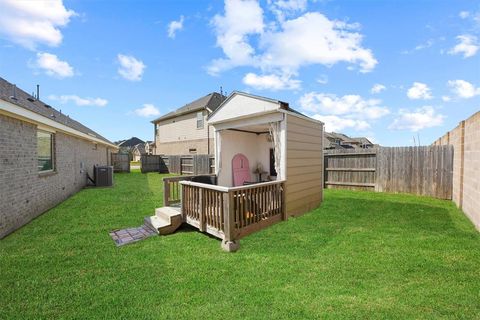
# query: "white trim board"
17, 112
244, 121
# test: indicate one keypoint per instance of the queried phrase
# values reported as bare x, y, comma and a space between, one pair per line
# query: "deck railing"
232, 213
171, 189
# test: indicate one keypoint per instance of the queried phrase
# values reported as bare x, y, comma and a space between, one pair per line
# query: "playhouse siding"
304, 186
25, 194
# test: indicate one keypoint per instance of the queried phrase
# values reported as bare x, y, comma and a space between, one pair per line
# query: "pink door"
240, 169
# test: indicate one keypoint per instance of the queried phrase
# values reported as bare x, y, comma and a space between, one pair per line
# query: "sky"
394, 71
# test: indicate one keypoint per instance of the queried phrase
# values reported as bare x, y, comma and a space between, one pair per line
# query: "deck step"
165, 221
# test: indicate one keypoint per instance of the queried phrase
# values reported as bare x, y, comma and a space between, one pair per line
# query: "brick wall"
24, 193
466, 166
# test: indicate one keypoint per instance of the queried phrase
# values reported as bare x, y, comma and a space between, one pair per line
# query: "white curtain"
276, 142
218, 153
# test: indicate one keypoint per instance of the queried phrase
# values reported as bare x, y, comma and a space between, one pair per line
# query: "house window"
45, 151
199, 120
192, 150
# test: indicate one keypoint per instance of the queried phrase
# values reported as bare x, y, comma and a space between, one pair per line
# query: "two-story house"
185, 130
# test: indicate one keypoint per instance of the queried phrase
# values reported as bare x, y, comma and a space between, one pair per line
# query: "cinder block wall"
24, 193
466, 166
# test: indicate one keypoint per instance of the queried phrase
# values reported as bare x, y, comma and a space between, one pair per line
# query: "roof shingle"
26, 101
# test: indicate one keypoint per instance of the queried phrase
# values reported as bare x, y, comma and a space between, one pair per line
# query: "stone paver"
130, 235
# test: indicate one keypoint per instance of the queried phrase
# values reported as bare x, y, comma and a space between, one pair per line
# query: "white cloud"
463, 89
130, 68
30, 23
338, 124
241, 19
429, 43
247, 40
282, 8
464, 14
314, 39
446, 98
468, 46
175, 26
53, 66
99, 102
419, 91
270, 82
377, 88
323, 79
353, 106
148, 110
425, 117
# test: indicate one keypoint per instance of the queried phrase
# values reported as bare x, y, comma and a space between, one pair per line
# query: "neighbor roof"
140, 147
133, 141
26, 101
210, 101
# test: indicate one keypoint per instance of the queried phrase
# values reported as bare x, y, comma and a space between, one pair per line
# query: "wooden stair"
165, 221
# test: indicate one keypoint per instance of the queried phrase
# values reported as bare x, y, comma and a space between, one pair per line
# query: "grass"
360, 255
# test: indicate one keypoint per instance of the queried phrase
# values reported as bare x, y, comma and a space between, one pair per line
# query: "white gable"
241, 105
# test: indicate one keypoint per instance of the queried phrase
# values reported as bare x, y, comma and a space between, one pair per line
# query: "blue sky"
388, 70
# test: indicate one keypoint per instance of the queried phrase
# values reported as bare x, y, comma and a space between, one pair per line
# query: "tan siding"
183, 147
304, 165
176, 136
181, 128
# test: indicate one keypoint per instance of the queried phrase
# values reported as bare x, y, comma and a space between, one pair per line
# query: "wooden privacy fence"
120, 162
196, 164
417, 170
152, 163
232, 213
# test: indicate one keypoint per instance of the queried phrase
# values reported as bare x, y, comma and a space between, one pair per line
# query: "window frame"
52, 152
200, 113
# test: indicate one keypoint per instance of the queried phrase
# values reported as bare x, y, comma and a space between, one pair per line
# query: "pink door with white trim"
240, 169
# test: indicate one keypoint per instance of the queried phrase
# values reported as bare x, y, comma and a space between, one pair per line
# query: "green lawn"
361, 254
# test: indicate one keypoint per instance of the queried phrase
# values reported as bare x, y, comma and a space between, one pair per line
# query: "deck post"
201, 210
229, 243
166, 193
283, 204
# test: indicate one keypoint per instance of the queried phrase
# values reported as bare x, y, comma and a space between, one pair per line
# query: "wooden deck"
228, 213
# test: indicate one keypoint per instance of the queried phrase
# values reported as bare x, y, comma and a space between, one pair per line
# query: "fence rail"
417, 170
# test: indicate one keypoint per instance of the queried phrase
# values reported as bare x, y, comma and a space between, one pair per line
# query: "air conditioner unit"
103, 176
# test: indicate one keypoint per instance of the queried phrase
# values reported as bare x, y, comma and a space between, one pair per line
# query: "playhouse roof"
241, 108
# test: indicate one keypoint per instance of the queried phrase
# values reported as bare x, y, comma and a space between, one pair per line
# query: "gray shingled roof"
26, 101
210, 101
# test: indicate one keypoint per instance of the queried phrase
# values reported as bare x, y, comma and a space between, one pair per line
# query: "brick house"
44, 157
185, 130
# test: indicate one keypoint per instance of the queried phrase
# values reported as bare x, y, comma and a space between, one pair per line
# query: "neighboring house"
137, 151
334, 140
185, 130
45, 157
126, 146
149, 147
